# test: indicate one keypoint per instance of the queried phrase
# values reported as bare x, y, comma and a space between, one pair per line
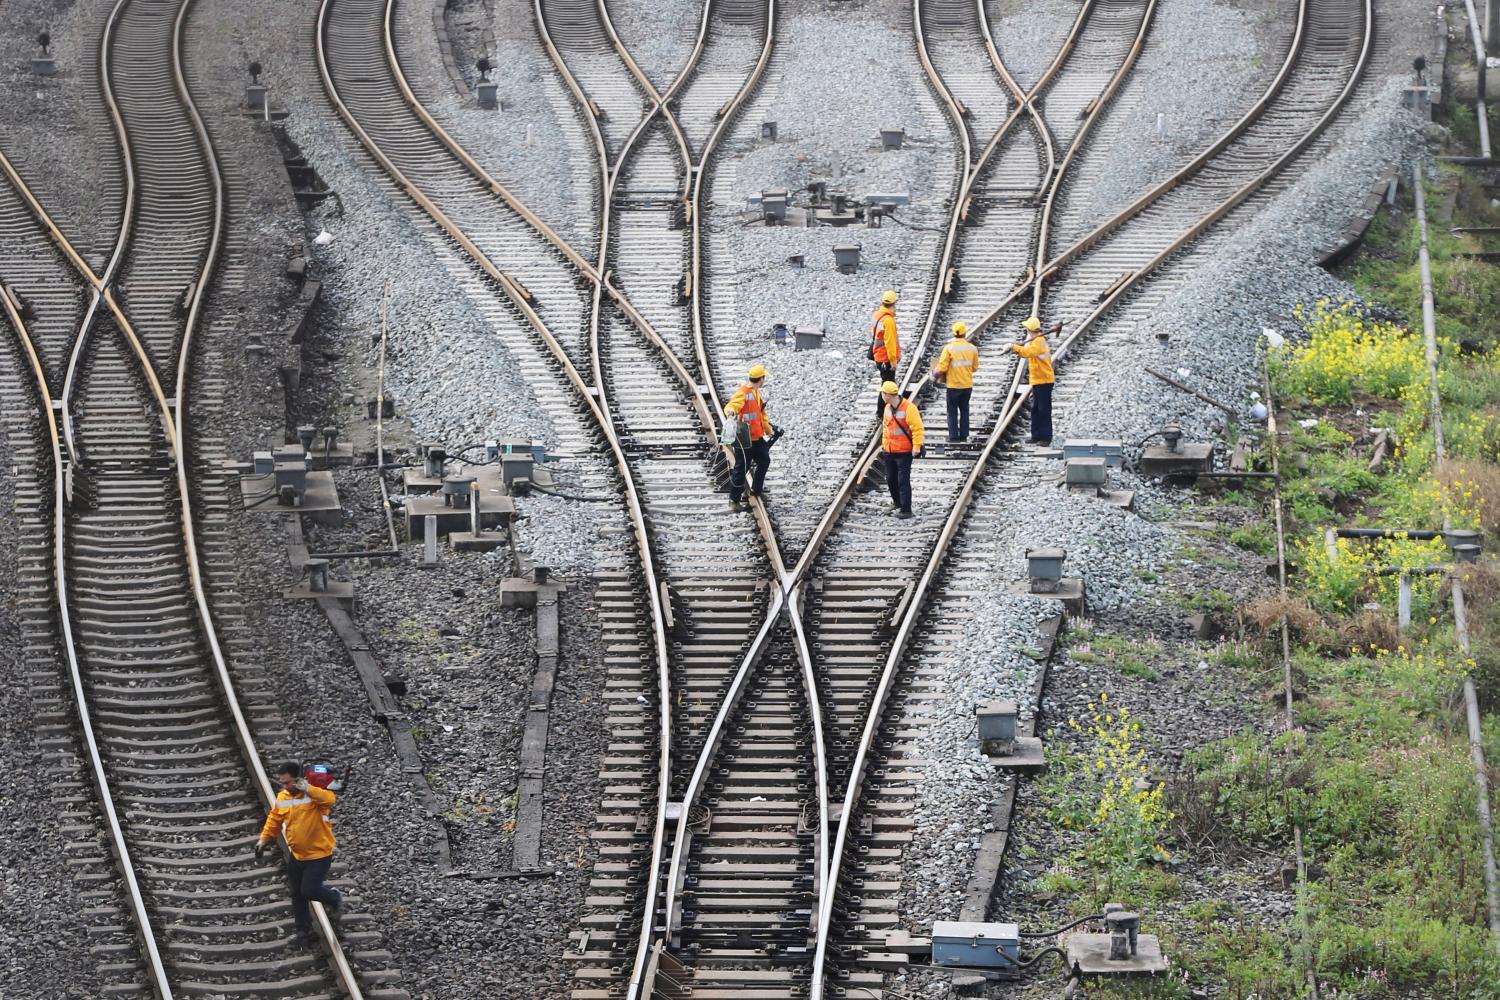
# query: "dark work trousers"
758, 454
958, 414
1041, 412
898, 478
887, 374
307, 884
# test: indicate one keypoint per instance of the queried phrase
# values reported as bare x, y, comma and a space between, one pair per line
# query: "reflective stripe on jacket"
958, 363
749, 409
903, 428
1038, 360
883, 334
303, 817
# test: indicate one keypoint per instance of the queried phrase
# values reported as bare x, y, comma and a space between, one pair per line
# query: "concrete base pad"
1157, 462
467, 541
1088, 955
341, 589
1069, 592
494, 510
319, 495
1026, 755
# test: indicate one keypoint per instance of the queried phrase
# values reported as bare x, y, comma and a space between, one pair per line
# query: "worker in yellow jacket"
754, 436
300, 813
956, 367
900, 440
1039, 373
885, 343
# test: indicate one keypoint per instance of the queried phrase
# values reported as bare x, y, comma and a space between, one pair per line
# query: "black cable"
1064, 927
1026, 963
570, 496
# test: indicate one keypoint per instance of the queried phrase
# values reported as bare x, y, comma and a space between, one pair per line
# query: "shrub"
1345, 354
1108, 792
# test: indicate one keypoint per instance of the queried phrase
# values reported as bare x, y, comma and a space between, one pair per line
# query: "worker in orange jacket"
900, 440
885, 345
753, 437
300, 813
956, 366
1039, 373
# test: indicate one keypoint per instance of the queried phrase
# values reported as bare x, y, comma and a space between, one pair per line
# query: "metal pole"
1492, 27
1460, 611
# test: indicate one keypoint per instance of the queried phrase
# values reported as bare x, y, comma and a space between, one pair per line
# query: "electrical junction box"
975, 945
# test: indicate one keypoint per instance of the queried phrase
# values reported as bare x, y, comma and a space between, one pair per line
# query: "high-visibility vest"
753, 414
877, 335
896, 437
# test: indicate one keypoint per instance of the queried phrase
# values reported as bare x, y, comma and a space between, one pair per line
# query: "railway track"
846, 925
177, 773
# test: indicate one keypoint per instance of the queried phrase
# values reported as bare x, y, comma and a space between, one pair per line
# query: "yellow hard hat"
889, 386
1032, 324
960, 329
889, 298
757, 371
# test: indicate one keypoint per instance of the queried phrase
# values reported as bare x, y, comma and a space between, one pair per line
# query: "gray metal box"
1045, 564
975, 945
1110, 450
809, 338
997, 720
1086, 472
264, 463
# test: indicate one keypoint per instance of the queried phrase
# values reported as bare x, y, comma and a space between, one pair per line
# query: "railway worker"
900, 439
885, 345
301, 814
957, 365
753, 436
1039, 373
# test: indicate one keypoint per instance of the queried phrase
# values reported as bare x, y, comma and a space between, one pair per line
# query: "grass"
1376, 773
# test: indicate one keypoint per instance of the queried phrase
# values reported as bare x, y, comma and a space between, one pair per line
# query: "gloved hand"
300, 785
922, 452
261, 846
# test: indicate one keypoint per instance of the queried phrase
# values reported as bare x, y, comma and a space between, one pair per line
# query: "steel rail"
127, 213
171, 424
1119, 219
601, 279
1244, 192
751, 660
114, 829
1076, 146
1024, 106
633, 503
1007, 416
867, 458
641, 967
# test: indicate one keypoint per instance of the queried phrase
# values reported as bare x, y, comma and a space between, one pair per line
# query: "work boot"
336, 911
903, 514
303, 940
736, 506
